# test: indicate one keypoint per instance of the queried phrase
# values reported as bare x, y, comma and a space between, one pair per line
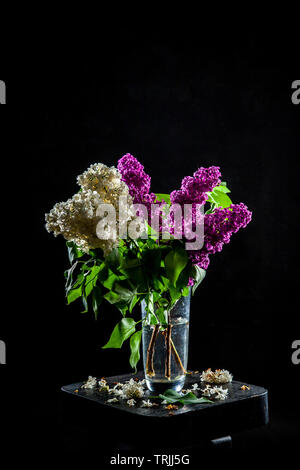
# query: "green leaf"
122, 331
171, 396
78, 282
97, 299
124, 293
151, 317
134, 271
73, 251
135, 342
174, 293
159, 285
85, 305
183, 278
218, 198
223, 188
162, 316
96, 253
221, 199
128, 263
189, 398
151, 233
69, 275
122, 307
112, 297
212, 207
133, 302
165, 197
175, 262
113, 259
138, 277
198, 274
111, 279
185, 291
74, 294
152, 260
90, 280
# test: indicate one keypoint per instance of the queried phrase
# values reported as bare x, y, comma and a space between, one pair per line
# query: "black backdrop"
175, 105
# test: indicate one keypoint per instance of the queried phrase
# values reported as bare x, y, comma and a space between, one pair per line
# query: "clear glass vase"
165, 348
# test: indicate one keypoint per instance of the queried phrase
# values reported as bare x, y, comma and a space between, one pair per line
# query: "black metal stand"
222, 442
202, 425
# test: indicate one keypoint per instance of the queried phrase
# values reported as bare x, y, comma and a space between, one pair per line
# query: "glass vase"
165, 348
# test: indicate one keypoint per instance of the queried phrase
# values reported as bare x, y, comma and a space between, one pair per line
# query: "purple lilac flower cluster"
218, 226
137, 180
194, 191
194, 188
139, 183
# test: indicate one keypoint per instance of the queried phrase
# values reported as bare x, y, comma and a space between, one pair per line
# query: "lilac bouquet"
128, 245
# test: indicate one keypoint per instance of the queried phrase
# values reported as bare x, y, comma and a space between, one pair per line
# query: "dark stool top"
242, 410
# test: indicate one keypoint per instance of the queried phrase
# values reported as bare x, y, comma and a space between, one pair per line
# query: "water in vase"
161, 375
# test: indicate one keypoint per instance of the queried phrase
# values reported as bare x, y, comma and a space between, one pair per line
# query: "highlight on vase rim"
128, 245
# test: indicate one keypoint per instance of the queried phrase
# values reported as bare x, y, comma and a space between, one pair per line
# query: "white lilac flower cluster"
103, 387
77, 219
90, 383
216, 393
219, 376
193, 389
131, 402
112, 400
147, 404
130, 391
133, 389
106, 181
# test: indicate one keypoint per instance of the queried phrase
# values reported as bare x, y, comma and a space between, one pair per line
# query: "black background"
176, 103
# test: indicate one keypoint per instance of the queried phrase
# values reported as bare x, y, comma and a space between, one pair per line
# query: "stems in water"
168, 352
175, 354
177, 357
150, 353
